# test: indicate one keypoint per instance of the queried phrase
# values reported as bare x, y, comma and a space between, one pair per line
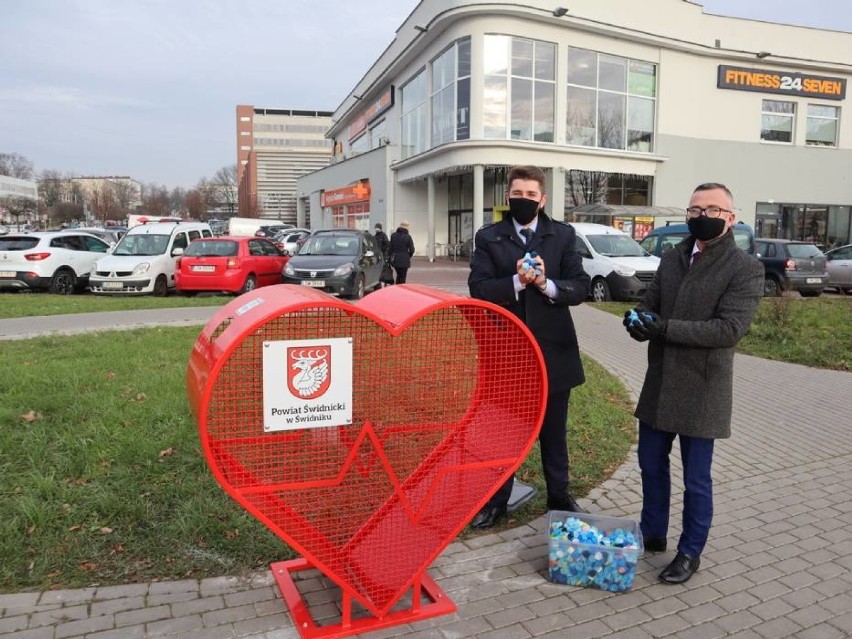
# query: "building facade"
623, 103
15, 187
18, 200
274, 148
122, 189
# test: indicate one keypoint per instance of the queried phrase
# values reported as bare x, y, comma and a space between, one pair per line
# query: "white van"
620, 269
145, 258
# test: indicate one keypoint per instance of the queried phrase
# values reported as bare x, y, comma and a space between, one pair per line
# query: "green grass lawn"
33, 304
102, 480
813, 332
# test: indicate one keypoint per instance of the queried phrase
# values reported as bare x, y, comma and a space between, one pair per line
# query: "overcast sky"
148, 88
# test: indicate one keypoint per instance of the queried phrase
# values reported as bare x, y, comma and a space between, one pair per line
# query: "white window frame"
511, 77
627, 95
791, 116
835, 119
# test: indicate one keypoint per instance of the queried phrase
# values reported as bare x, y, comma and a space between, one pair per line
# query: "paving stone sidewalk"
778, 563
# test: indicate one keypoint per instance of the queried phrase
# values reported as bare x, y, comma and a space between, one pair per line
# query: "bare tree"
155, 200
16, 165
586, 187
51, 188
103, 202
177, 200
76, 194
64, 212
226, 186
18, 206
125, 193
195, 205
207, 189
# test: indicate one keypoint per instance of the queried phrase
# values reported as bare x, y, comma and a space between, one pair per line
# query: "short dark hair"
527, 173
378, 226
712, 186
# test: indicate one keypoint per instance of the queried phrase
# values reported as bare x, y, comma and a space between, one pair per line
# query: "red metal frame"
371, 504
439, 604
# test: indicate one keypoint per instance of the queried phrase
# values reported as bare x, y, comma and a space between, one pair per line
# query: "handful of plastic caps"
530, 263
582, 555
634, 319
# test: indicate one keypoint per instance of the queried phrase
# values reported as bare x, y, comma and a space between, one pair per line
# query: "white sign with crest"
307, 383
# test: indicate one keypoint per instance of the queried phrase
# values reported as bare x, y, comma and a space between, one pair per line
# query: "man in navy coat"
541, 300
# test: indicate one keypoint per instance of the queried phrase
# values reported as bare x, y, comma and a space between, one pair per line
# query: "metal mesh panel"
441, 413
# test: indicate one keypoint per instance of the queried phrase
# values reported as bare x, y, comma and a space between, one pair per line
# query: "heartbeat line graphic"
368, 438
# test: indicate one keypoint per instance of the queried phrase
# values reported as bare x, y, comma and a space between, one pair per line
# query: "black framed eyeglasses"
709, 211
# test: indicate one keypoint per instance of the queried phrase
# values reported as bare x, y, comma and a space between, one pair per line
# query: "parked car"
218, 227
247, 226
271, 230
792, 265
662, 238
57, 261
620, 269
229, 264
290, 240
144, 260
111, 235
342, 262
839, 266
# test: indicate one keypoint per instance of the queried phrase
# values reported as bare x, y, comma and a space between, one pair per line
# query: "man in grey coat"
700, 303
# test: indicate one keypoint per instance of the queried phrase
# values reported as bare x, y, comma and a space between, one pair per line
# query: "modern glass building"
626, 105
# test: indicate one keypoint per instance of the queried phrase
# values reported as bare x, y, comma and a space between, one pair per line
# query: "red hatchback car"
230, 264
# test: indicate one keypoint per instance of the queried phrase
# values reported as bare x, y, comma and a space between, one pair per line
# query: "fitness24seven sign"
307, 384
795, 84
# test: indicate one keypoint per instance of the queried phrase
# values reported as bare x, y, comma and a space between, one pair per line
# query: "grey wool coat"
688, 387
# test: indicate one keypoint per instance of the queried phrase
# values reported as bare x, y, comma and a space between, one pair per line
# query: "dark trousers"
696, 454
400, 274
553, 442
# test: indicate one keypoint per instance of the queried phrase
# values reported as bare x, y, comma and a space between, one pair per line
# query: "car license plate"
203, 269
112, 285
813, 280
7, 273
314, 283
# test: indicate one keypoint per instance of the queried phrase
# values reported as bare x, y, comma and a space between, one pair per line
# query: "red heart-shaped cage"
448, 394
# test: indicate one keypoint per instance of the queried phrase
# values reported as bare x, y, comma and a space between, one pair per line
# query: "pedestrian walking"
401, 249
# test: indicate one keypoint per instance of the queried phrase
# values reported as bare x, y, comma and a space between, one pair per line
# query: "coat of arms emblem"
309, 373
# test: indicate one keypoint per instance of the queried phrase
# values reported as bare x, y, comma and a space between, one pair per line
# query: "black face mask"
705, 228
523, 210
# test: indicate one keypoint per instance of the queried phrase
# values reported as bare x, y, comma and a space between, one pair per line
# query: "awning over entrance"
624, 210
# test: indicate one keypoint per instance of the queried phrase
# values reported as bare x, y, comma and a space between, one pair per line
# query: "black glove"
652, 327
635, 334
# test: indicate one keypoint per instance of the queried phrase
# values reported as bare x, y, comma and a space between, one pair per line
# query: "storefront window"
598, 187
360, 144
519, 92
777, 121
415, 116
839, 227
611, 101
338, 217
443, 97
378, 133
822, 125
450, 94
358, 216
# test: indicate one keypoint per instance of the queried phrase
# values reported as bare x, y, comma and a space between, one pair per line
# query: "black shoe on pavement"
488, 517
681, 569
656, 544
568, 504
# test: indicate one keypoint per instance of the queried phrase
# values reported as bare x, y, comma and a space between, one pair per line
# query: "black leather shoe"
655, 544
681, 569
488, 517
568, 504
